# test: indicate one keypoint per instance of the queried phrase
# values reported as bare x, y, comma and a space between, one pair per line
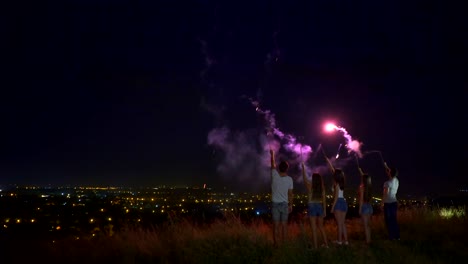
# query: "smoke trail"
301, 152
245, 156
208, 59
351, 145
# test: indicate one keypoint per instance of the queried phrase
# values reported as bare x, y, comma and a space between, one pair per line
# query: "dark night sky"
117, 92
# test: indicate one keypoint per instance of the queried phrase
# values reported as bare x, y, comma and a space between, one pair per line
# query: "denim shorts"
315, 209
341, 205
366, 209
279, 212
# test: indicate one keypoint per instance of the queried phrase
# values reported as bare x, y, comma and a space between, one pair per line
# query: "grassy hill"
427, 236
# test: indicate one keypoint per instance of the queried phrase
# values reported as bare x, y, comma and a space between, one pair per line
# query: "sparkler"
338, 152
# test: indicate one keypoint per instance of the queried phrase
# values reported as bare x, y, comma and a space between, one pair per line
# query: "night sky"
126, 92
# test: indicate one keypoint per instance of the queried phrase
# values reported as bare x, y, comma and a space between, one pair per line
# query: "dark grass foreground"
427, 237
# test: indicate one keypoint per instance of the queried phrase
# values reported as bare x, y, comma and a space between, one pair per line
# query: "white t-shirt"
280, 186
340, 192
392, 186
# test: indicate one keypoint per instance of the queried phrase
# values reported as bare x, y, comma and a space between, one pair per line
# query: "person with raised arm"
339, 206
281, 198
390, 202
316, 205
365, 206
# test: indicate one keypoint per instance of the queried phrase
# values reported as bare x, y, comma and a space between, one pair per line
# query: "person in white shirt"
391, 203
281, 198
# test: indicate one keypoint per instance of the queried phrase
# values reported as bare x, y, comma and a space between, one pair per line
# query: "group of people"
282, 202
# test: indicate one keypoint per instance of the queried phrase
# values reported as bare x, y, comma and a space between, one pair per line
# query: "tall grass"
427, 236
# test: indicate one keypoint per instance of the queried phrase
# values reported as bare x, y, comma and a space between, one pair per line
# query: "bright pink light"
329, 127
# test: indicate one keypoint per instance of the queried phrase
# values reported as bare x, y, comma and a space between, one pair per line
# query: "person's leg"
322, 230
275, 214
313, 221
276, 225
365, 222
387, 218
284, 221
337, 218
343, 226
284, 231
395, 230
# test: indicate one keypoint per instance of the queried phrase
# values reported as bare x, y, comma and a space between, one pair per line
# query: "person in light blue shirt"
281, 198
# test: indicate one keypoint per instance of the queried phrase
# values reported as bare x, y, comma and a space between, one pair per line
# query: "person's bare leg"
284, 231
322, 230
275, 233
365, 221
313, 223
337, 218
343, 226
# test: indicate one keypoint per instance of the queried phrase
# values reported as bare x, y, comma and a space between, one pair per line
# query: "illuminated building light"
18, 221
58, 228
91, 220
32, 220
109, 219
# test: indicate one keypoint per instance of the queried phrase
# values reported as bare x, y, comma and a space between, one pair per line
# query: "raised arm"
272, 157
387, 169
360, 171
335, 196
385, 193
328, 162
